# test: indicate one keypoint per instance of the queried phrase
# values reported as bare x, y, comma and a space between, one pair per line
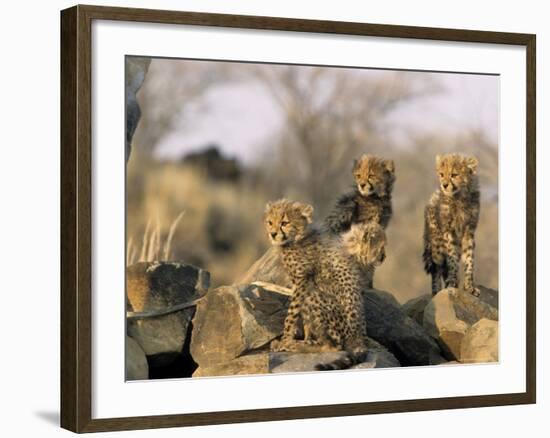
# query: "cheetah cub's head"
366, 242
374, 175
456, 173
286, 221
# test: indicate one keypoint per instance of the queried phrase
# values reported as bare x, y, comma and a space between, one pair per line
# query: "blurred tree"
331, 117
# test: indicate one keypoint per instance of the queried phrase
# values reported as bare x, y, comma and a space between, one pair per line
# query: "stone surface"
414, 308
158, 286
251, 364
267, 268
232, 320
480, 343
404, 337
136, 362
136, 69
266, 362
450, 314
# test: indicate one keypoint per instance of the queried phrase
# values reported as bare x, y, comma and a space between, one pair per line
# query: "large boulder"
233, 320
268, 269
480, 343
155, 288
450, 314
136, 362
403, 336
414, 308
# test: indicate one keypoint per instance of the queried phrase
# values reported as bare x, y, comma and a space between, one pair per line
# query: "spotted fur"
369, 202
327, 284
450, 221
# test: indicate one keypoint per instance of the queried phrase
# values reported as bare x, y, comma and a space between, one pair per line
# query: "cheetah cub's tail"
366, 243
349, 360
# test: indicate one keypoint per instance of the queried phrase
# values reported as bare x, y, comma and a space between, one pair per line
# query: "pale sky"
240, 117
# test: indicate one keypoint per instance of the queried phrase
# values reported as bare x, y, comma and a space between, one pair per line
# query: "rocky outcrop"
136, 362
153, 290
403, 336
178, 329
450, 314
480, 343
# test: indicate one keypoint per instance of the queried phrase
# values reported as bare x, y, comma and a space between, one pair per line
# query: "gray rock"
414, 308
136, 362
480, 343
450, 314
156, 287
400, 334
136, 69
231, 321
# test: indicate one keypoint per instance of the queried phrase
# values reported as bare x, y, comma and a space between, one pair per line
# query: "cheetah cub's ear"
390, 166
472, 162
306, 210
438, 161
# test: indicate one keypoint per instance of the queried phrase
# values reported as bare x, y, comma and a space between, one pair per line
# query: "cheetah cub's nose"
273, 235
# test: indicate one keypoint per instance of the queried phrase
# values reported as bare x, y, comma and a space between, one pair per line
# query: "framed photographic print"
269, 218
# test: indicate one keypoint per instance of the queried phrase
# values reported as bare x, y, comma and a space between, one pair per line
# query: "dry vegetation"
329, 121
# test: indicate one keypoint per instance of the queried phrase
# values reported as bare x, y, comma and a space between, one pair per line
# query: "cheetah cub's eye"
284, 223
441, 174
454, 175
269, 223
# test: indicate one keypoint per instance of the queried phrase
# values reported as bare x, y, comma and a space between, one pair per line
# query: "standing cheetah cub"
450, 221
327, 285
370, 201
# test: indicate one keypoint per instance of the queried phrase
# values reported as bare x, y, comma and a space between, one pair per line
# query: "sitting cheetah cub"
327, 284
370, 201
450, 221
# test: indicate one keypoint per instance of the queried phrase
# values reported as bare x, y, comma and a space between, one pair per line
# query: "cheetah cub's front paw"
281, 345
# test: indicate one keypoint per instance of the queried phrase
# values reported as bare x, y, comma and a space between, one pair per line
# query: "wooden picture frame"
76, 217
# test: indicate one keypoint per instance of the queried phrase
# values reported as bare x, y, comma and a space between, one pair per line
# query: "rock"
267, 362
136, 69
153, 287
267, 268
414, 308
480, 343
489, 296
252, 364
232, 320
136, 362
450, 314
400, 334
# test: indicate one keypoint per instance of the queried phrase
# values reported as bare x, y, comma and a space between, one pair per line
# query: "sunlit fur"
367, 243
327, 283
457, 173
286, 221
374, 175
450, 221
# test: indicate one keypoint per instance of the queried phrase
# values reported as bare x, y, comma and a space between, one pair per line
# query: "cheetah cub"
450, 221
370, 201
327, 284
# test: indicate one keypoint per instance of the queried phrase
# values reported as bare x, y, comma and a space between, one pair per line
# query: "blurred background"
217, 140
